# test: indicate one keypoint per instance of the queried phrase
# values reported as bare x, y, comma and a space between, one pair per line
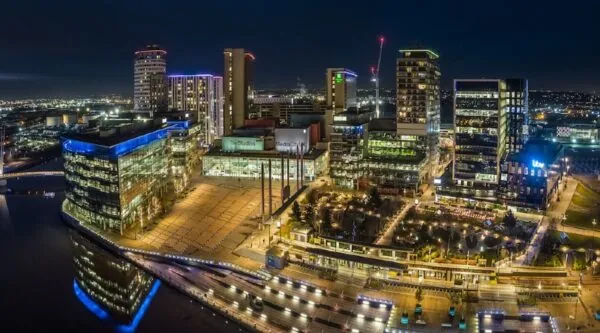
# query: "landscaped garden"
351, 215
443, 236
557, 246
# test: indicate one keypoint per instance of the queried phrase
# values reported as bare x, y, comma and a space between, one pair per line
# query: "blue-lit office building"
530, 177
117, 178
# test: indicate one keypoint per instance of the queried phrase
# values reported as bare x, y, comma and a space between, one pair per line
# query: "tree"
309, 214
312, 197
471, 241
296, 211
510, 221
326, 216
419, 295
492, 241
374, 199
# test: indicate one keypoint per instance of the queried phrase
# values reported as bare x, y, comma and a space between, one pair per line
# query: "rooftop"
122, 132
407, 53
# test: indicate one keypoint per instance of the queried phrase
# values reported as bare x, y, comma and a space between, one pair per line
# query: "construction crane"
375, 74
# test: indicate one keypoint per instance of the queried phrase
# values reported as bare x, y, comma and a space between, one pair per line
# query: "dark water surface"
37, 275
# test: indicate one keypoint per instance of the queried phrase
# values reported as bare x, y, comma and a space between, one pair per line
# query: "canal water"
38, 289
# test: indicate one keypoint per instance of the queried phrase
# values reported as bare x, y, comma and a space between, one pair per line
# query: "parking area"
218, 213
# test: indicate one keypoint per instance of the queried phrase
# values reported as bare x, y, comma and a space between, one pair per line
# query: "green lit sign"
233, 144
338, 78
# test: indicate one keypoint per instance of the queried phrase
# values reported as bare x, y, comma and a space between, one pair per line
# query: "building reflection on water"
113, 289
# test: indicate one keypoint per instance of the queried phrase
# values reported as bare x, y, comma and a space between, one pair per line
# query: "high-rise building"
341, 89
147, 62
418, 111
517, 113
194, 93
238, 88
480, 108
217, 117
159, 101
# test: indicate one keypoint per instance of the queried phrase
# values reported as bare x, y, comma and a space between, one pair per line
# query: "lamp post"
279, 227
565, 250
269, 234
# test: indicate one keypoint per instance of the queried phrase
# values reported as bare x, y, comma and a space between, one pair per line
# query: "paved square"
219, 212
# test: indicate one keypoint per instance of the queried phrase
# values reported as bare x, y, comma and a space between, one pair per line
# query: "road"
287, 304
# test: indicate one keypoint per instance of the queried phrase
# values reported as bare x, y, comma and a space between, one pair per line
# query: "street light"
279, 227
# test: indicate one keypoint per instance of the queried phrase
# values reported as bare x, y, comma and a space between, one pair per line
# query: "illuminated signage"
338, 78
537, 164
339, 118
233, 144
484, 177
437, 181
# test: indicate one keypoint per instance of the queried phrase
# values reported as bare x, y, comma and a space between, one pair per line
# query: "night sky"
84, 47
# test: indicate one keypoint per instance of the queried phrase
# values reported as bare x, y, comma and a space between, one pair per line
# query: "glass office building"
480, 128
116, 181
391, 161
248, 164
186, 136
346, 147
517, 114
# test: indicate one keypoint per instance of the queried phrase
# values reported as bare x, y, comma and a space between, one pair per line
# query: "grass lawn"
546, 260
575, 241
584, 207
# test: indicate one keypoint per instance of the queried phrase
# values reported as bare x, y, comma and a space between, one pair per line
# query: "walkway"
388, 235
557, 211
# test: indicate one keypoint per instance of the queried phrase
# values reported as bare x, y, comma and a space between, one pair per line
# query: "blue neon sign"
537, 164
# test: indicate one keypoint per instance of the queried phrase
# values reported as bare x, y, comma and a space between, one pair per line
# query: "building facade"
116, 181
418, 107
480, 128
247, 164
238, 89
390, 161
517, 114
195, 93
530, 177
217, 116
346, 147
147, 62
159, 99
341, 90
186, 138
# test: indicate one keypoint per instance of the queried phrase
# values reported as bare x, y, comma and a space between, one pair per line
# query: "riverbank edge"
117, 250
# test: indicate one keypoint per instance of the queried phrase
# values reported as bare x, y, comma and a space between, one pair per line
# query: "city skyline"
85, 55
